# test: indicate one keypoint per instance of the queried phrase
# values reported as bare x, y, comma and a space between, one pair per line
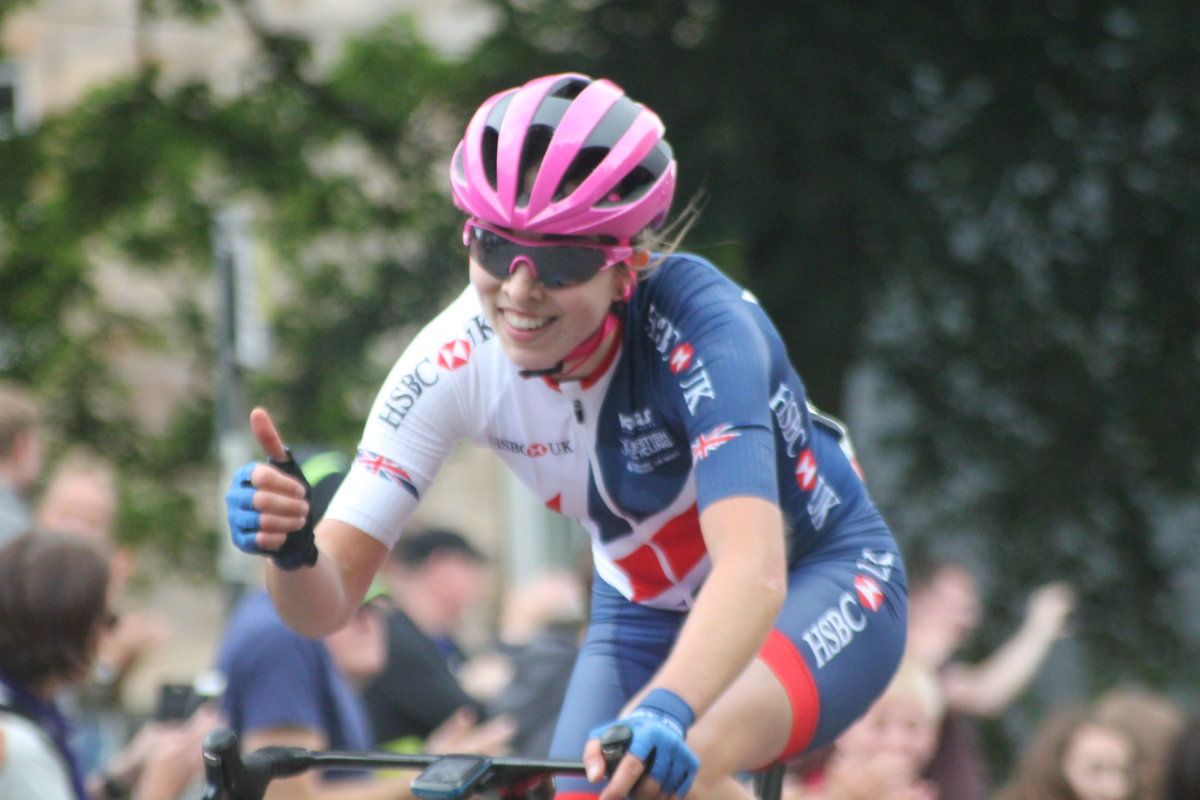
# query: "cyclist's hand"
267, 502
657, 749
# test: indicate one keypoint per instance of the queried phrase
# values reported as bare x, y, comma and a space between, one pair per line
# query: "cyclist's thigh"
747, 727
624, 646
839, 638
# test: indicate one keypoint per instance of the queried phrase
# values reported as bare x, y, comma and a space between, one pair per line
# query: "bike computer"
451, 776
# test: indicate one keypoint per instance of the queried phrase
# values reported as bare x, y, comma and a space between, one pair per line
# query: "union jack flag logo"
707, 442
387, 469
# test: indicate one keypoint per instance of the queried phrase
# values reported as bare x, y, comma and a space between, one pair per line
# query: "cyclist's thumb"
263, 428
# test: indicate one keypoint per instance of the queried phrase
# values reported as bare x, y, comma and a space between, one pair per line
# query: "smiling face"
1099, 764
538, 327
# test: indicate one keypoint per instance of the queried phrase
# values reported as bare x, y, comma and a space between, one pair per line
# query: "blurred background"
976, 224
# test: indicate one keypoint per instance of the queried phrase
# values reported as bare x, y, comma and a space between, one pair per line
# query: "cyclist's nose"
522, 278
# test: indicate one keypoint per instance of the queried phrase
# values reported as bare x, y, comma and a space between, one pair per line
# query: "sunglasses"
556, 263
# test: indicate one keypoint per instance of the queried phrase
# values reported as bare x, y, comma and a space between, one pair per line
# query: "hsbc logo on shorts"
533, 450
869, 594
835, 628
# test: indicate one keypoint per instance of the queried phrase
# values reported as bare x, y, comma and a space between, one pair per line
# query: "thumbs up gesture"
267, 504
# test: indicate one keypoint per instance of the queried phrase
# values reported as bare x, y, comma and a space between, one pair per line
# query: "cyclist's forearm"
315, 601
737, 606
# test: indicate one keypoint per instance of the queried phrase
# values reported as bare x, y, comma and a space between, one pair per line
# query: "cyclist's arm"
318, 600
736, 607
308, 785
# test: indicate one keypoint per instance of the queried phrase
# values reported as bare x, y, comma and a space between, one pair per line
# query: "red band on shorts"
790, 668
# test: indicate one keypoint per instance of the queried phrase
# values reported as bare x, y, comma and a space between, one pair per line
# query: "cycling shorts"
834, 647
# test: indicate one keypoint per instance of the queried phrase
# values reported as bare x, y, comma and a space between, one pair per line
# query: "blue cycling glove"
659, 726
300, 548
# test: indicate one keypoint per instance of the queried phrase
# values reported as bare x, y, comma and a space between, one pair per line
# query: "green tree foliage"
336, 166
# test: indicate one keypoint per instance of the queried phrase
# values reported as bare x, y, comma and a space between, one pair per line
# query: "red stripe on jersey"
646, 576
788, 665
680, 541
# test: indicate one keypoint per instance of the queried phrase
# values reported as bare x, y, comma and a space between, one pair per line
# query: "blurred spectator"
435, 576
882, 755
284, 689
540, 629
1154, 722
944, 610
1181, 779
1074, 755
20, 458
81, 498
54, 603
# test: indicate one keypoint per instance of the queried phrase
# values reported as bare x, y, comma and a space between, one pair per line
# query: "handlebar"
231, 776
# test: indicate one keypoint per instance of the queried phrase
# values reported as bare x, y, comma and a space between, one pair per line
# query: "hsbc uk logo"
789, 418
452, 355
681, 359
822, 497
532, 450
838, 624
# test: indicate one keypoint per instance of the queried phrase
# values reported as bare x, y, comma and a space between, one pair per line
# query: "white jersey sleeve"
422, 410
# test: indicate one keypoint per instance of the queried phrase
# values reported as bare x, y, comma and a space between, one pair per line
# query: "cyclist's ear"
628, 278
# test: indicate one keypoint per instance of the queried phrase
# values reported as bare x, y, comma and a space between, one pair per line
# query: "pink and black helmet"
565, 154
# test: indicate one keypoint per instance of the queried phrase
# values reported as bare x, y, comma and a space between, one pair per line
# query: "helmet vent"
638, 179
569, 89
490, 144
533, 150
585, 161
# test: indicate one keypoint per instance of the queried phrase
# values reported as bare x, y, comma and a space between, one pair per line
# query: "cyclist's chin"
526, 356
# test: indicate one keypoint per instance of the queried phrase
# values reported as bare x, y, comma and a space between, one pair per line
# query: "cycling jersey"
698, 403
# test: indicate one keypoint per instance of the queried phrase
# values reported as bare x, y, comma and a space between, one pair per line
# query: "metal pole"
237, 571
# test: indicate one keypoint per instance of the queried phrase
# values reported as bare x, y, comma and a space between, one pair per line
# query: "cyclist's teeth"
525, 323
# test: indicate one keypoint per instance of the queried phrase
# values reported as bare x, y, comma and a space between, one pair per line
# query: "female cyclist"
749, 600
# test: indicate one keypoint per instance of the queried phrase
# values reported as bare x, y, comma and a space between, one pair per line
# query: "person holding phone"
54, 591
749, 600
